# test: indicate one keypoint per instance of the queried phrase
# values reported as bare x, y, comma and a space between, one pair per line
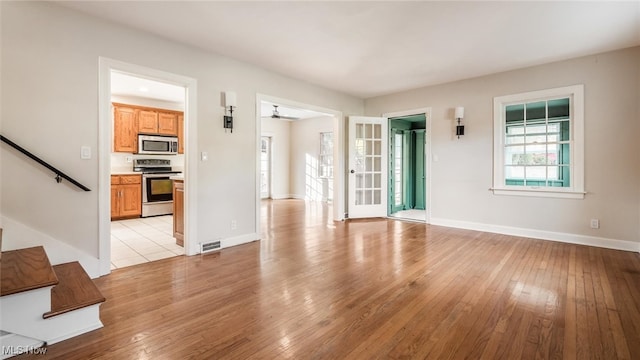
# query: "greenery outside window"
539, 143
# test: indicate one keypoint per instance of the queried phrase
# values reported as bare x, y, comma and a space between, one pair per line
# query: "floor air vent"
206, 247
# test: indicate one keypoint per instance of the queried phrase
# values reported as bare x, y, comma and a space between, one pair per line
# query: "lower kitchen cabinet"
126, 196
178, 211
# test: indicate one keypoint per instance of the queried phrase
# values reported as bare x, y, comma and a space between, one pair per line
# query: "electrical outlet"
595, 224
234, 224
129, 159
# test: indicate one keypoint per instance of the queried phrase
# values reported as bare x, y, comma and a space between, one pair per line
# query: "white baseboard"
14, 344
91, 322
281, 196
239, 240
298, 197
17, 235
236, 240
541, 234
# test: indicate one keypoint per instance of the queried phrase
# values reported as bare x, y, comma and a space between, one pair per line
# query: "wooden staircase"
43, 304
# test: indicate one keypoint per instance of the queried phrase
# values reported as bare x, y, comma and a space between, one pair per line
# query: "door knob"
353, 171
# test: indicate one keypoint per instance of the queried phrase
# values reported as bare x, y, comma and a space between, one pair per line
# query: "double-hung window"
539, 143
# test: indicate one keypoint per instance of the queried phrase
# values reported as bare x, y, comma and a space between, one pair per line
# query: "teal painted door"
397, 173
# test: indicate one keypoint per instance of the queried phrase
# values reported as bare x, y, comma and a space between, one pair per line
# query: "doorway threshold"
412, 215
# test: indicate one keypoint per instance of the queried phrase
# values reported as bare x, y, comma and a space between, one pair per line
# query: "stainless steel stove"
157, 187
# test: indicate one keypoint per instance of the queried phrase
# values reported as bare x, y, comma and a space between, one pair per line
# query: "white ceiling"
127, 85
288, 112
374, 48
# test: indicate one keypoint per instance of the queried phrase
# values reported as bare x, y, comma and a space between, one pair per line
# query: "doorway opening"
296, 153
187, 88
407, 181
298, 147
142, 223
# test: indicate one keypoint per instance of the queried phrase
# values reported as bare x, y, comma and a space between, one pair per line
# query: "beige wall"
49, 98
305, 148
463, 173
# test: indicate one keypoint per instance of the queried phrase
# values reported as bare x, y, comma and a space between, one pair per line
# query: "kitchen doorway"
107, 161
146, 171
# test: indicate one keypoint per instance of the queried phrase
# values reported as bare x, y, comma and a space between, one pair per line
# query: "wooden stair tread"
24, 270
75, 290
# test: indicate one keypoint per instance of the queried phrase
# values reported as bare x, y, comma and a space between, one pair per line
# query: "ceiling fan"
276, 114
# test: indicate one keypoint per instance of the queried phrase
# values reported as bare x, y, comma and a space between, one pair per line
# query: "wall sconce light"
459, 114
229, 104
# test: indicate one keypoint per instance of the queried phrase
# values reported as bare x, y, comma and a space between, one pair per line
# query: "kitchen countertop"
177, 177
125, 172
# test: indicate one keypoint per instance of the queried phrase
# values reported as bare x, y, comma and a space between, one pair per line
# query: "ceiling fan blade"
276, 115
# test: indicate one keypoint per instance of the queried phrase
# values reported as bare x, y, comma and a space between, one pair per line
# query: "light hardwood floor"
314, 289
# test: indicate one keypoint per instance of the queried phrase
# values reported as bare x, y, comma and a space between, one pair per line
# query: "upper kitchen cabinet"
168, 123
131, 120
148, 121
125, 133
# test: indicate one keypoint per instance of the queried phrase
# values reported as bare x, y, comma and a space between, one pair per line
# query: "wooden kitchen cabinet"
168, 123
125, 130
158, 122
131, 120
126, 196
180, 133
178, 211
147, 121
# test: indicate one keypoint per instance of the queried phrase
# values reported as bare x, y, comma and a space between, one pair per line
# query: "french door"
367, 167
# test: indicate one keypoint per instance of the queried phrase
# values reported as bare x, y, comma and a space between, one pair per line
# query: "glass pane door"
368, 180
368, 164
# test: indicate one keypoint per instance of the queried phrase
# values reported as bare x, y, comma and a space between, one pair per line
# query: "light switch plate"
204, 156
85, 152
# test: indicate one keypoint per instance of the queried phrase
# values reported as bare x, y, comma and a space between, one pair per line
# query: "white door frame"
105, 130
338, 152
427, 151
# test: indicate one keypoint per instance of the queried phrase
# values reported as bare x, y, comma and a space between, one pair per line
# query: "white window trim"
576, 190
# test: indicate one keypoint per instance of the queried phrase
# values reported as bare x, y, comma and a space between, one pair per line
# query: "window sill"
539, 193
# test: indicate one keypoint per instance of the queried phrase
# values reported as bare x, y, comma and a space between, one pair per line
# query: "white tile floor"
136, 241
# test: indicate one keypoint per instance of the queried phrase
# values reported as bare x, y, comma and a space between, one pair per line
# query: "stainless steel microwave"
157, 145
